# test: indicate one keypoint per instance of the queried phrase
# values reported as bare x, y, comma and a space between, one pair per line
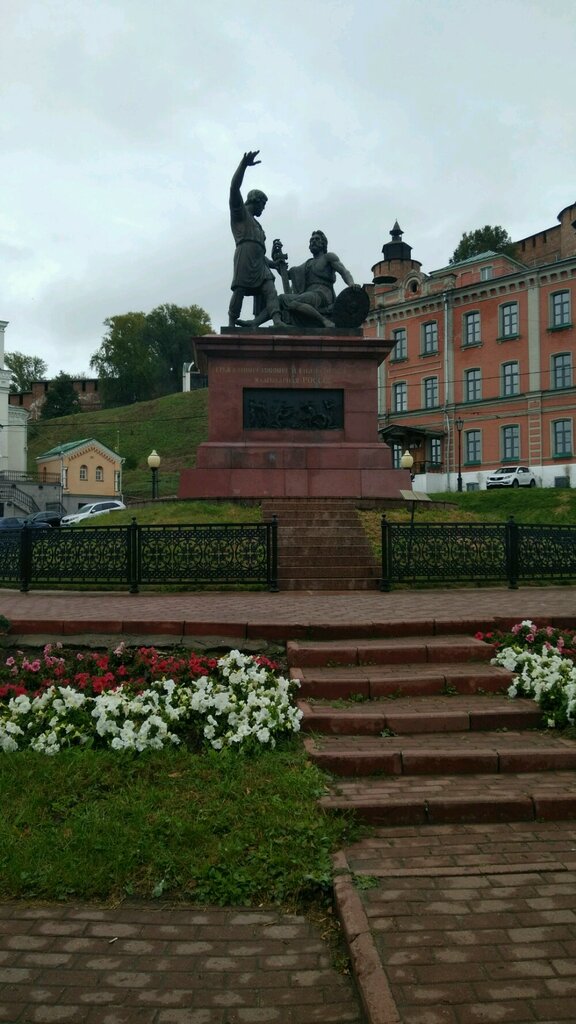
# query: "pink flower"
10, 661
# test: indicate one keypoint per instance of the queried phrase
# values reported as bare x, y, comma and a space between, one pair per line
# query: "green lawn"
216, 827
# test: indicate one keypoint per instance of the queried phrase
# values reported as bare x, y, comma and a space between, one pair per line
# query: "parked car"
94, 508
39, 518
511, 476
15, 523
11, 523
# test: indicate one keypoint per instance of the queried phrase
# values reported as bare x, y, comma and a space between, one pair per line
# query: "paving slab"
150, 963
285, 616
466, 923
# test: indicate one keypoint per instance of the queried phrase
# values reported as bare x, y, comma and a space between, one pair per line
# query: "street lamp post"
459, 424
154, 463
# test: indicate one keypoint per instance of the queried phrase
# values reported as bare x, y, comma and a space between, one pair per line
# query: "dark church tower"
396, 262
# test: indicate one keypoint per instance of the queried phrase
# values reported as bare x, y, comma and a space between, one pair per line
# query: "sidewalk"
283, 616
463, 924
152, 963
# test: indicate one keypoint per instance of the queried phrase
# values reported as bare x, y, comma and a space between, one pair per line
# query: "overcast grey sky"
123, 120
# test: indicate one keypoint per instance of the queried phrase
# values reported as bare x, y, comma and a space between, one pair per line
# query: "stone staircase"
321, 545
419, 730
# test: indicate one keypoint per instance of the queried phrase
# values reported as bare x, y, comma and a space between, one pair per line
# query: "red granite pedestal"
292, 416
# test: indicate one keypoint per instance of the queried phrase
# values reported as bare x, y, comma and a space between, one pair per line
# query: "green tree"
124, 363
61, 398
481, 240
141, 354
25, 369
170, 331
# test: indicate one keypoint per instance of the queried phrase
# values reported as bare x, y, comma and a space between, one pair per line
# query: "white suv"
511, 476
95, 508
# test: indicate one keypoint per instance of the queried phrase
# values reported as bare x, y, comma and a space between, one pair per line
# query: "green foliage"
214, 828
483, 239
25, 369
142, 354
61, 398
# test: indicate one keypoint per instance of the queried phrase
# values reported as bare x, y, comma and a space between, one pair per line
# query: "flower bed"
138, 699
544, 660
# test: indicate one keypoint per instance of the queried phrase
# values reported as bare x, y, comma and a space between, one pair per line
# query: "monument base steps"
322, 546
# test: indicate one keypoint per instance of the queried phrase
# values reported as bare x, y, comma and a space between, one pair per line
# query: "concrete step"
388, 651
409, 680
332, 584
459, 753
310, 555
406, 715
455, 799
348, 569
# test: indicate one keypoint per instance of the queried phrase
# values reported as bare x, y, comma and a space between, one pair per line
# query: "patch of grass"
169, 512
538, 506
218, 828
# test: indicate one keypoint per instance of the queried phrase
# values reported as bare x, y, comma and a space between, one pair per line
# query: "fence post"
512, 551
133, 553
25, 557
272, 542
386, 581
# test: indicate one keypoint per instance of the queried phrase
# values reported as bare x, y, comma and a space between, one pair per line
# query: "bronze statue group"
308, 299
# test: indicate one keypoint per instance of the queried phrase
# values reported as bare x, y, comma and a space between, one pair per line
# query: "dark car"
41, 518
11, 523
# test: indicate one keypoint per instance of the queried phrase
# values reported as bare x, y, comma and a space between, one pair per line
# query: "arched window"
83, 472
99, 474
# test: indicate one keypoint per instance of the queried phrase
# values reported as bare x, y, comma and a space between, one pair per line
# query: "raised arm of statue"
248, 160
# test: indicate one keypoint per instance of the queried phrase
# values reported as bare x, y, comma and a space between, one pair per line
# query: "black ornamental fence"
436, 553
133, 556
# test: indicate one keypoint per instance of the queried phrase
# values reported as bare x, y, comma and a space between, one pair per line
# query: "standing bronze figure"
252, 268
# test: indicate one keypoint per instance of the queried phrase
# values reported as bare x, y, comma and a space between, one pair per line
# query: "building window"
430, 338
400, 397
396, 456
562, 370
64, 477
471, 329
562, 438
560, 309
400, 350
510, 380
486, 273
473, 385
99, 474
83, 472
473, 446
435, 451
430, 392
117, 481
511, 443
509, 320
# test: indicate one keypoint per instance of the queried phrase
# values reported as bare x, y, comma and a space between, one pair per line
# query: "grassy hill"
174, 425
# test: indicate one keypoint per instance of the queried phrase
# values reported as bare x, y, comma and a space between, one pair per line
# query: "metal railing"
194, 555
476, 552
18, 497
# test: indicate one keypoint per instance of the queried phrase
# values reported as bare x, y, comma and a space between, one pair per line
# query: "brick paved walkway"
282, 616
471, 923
151, 964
